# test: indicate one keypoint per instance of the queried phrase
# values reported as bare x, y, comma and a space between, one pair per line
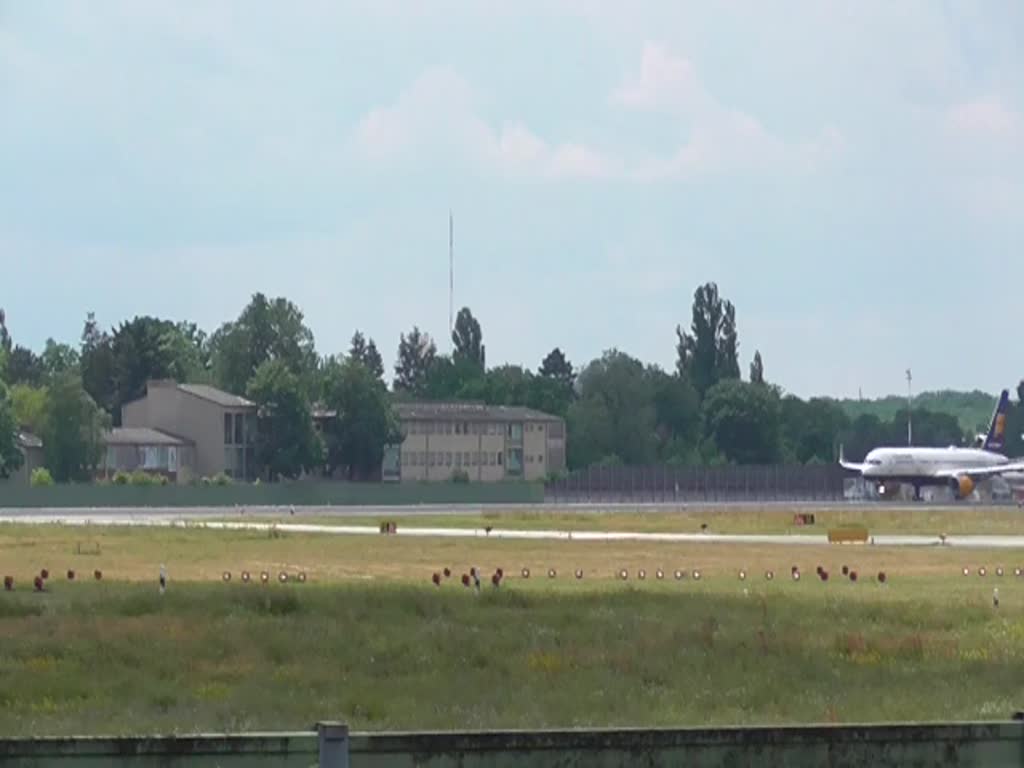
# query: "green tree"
467, 339
24, 367
265, 330
10, 455
73, 432
140, 350
98, 365
615, 413
743, 420
709, 353
553, 386
366, 353
365, 423
58, 359
30, 407
676, 416
757, 369
416, 354
453, 378
812, 429
5, 336
288, 444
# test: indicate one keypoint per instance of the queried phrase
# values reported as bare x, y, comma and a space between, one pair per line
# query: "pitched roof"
141, 436
218, 396
469, 411
28, 440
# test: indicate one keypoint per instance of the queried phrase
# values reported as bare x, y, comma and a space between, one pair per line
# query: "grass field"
370, 640
769, 519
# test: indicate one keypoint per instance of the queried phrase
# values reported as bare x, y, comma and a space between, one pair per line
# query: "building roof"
469, 411
141, 436
28, 440
218, 396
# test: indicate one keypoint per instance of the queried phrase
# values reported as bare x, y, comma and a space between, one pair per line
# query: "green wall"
966, 745
277, 494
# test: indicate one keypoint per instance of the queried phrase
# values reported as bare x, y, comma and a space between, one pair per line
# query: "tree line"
618, 409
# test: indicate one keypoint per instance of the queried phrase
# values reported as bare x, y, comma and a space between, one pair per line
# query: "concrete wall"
970, 745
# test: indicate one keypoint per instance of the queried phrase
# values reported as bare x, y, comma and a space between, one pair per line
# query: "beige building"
31, 448
487, 442
129, 449
216, 429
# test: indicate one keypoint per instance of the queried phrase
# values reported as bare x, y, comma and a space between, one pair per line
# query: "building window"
494, 458
227, 429
515, 461
458, 458
499, 458
448, 459
465, 458
515, 431
423, 458
540, 459
540, 427
239, 428
447, 427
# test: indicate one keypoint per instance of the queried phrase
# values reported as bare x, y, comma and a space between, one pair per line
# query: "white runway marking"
156, 521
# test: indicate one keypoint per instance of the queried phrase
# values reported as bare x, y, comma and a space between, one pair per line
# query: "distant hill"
972, 409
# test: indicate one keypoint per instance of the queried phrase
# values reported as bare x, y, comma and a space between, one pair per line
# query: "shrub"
221, 479
139, 477
121, 478
41, 478
460, 476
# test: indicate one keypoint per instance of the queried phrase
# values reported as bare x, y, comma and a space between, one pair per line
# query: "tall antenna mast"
910, 409
451, 273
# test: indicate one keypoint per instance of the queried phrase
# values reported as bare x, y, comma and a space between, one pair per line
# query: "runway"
153, 520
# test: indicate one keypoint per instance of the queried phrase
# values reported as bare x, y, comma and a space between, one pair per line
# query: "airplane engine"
962, 486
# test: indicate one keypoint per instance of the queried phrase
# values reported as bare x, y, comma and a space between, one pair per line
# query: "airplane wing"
853, 466
979, 472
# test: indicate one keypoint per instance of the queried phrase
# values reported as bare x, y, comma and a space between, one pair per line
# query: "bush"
139, 477
221, 479
460, 476
121, 478
41, 478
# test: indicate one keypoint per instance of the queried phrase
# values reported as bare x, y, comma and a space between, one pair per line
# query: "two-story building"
213, 430
488, 443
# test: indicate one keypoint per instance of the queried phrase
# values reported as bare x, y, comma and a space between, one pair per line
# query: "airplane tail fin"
995, 440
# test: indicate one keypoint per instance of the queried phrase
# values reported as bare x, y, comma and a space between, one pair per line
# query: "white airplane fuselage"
922, 466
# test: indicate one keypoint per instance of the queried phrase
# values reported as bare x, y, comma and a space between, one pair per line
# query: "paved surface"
434, 510
169, 521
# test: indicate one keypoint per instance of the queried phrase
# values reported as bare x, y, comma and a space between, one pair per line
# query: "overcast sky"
851, 174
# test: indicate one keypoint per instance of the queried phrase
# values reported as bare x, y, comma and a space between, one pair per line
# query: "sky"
851, 175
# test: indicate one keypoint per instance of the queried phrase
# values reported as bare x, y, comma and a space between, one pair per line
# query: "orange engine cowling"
962, 485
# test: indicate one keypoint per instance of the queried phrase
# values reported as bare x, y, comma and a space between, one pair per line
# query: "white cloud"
439, 112
720, 139
985, 119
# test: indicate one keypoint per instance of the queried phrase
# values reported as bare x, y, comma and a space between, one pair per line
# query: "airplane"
959, 469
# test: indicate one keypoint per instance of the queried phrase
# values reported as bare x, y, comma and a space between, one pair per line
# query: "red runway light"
447, 573
9, 583
823, 575
881, 577
436, 578
846, 570
495, 579
465, 579
44, 573
38, 583
501, 573
71, 575
853, 575
97, 574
